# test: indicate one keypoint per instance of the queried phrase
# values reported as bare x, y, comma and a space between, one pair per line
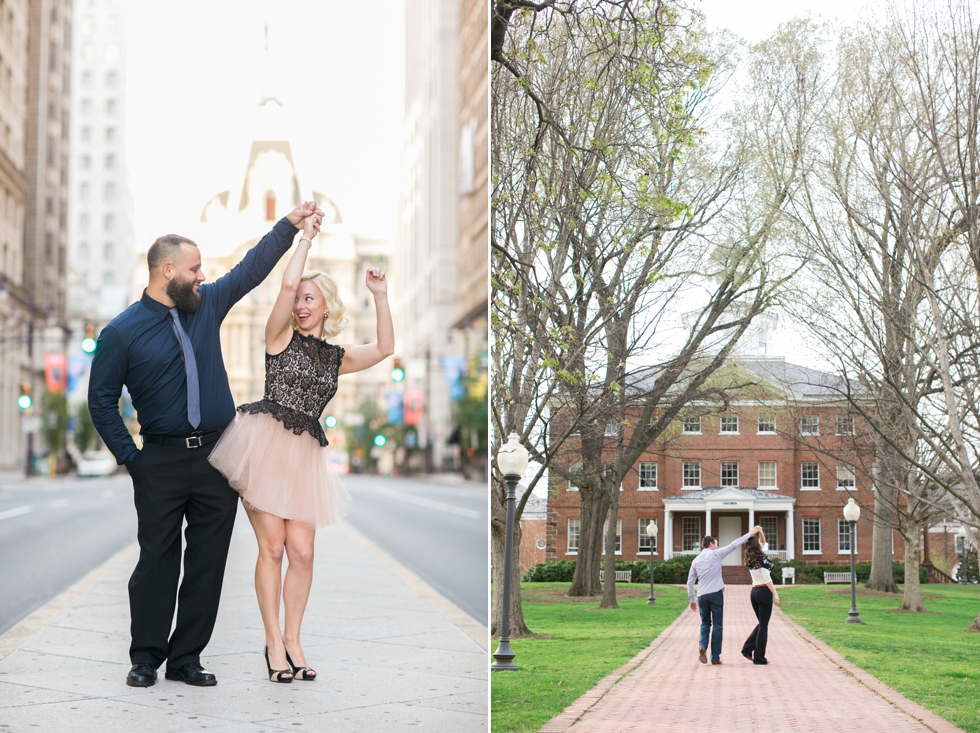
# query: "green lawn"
584, 643
926, 657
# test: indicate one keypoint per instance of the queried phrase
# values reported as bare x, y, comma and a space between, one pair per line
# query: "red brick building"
786, 454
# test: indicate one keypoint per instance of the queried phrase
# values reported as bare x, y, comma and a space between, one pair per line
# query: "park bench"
626, 576
836, 577
789, 573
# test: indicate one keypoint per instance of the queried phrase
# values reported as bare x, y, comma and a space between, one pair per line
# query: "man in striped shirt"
706, 573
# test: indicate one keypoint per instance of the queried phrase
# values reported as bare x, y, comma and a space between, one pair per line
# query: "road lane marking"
437, 505
14, 512
58, 503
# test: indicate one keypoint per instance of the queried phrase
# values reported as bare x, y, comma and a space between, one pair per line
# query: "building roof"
704, 494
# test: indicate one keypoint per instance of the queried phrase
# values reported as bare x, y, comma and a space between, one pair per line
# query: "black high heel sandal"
276, 675
308, 674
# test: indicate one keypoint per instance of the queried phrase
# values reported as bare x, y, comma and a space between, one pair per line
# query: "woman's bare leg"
296, 587
270, 533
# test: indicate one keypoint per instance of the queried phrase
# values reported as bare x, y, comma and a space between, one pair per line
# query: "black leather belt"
191, 441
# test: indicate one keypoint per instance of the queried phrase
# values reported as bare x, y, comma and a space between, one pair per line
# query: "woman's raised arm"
363, 356
278, 328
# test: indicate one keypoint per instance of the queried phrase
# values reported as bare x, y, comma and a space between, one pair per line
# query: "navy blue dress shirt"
139, 349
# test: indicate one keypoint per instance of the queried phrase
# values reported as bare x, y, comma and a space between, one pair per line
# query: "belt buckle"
191, 438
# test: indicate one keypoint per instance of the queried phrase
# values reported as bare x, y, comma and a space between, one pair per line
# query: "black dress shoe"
193, 674
141, 675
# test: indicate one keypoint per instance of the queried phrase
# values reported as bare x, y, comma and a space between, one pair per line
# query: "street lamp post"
512, 462
652, 534
852, 512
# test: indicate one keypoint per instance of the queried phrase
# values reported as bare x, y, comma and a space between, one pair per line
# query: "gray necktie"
190, 369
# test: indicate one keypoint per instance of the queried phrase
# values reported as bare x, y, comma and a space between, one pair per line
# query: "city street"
55, 531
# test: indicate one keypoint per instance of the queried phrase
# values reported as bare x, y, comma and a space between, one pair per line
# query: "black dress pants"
755, 645
171, 485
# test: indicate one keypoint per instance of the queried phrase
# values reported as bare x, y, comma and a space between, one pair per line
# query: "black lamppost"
852, 512
652, 534
961, 576
512, 462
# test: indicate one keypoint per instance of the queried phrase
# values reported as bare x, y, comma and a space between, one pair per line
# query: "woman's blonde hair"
335, 322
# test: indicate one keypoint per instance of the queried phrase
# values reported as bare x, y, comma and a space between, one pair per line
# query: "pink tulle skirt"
279, 472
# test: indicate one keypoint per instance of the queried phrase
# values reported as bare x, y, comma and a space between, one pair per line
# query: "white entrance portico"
729, 499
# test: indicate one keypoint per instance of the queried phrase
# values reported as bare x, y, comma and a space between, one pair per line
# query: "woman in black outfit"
763, 596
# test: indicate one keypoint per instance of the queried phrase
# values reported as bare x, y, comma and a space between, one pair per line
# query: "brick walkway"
806, 686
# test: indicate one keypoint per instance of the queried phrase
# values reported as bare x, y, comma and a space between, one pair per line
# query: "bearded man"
165, 349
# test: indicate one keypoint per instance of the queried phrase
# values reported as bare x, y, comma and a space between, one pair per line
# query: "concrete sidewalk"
806, 686
391, 655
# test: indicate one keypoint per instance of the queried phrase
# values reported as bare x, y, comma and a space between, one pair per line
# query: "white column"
707, 520
751, 516
667, 536
790, 535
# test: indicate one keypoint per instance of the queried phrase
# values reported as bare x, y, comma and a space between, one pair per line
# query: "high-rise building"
427, 243
35, 64
102, 252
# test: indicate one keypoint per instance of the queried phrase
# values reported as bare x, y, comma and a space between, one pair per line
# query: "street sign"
353, 419
30, 424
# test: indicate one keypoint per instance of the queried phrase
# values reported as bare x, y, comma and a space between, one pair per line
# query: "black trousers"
755, 645
171, 485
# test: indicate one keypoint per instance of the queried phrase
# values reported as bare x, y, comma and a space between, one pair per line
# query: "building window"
86, 106
770, 528
87, 25
845, 477
845, 425
85, 162
83, 192
110, 134
844, 536
648, 477
86, 78
109, 192
85, 134
619, 537
729, 473
110, 106
767, 474
109, 223
270, 206
960, 544
767, 424
729, 424
691, 475
83, 251
574, 530
574, 470
809, 425
83, 222
646, 542
107, 278
692, 425
107, 252
88, 51
810, 476
690, 533
811, 535
110, 161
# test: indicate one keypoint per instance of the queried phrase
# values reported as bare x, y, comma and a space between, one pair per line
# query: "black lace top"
299, 382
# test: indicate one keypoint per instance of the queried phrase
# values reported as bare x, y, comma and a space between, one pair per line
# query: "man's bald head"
166, 249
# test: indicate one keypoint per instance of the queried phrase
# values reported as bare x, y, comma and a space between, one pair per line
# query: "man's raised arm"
727, 549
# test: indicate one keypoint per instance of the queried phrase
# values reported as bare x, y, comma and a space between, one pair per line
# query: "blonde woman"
273, 453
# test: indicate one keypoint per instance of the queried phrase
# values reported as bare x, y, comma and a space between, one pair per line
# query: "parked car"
97, 463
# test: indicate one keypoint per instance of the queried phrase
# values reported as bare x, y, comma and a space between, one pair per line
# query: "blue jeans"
712, 607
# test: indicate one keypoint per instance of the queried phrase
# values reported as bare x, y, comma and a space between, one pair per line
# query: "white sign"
353, 419
30, 424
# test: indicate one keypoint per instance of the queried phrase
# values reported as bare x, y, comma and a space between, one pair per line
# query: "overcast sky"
753, 20
197, 70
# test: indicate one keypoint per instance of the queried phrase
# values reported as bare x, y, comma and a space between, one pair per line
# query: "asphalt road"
55, 531
440, 532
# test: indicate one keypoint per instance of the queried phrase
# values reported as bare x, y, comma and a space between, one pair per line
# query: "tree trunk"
595, 505
882, 576
498, 539
609, 587
912, 600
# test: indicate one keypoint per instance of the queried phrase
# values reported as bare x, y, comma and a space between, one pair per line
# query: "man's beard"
181, 292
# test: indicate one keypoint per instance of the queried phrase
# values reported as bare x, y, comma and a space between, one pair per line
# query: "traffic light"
88, 343
380, 440
397, 372
330, 421
25, 400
